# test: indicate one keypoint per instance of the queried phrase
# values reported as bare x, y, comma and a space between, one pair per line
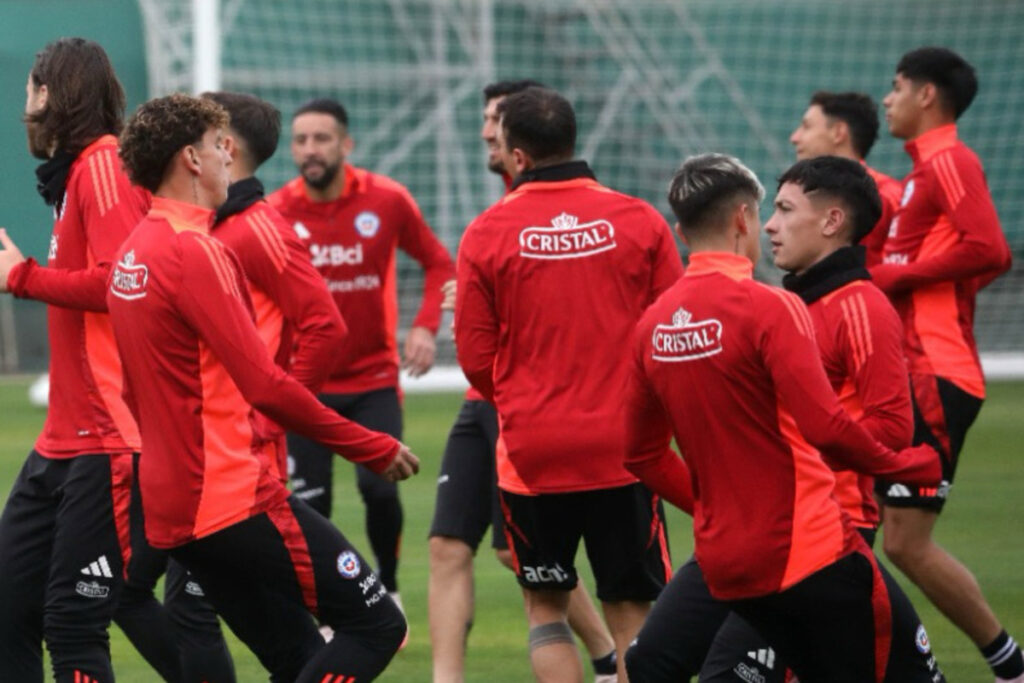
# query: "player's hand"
419, 352
448, 290
10, 256
403, 466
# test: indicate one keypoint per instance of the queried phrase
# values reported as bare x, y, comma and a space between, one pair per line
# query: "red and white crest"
566, 238
686, 339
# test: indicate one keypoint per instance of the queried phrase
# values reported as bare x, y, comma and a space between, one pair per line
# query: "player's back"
717, 349
571, 265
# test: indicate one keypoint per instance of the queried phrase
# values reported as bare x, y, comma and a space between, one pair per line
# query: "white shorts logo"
924, 646
566, 238
685, 339
348, 564
92, 589
367, 224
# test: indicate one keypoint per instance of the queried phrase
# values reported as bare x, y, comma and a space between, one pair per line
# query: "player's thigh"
739, 653
626, 543
465, 483
90, 542
823, 626
544, 532
186, 602
679, 630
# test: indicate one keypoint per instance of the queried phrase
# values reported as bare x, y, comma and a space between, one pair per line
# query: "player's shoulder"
379, 184
288, 194
769, 304
99, 170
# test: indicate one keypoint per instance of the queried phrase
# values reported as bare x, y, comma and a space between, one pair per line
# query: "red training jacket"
944, 245
100, 207
551, 280
352, 242
731, 368
890, 190
195, 368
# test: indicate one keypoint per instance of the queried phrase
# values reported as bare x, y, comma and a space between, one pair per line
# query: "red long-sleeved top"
890, 190
195, 369
730, 366
861, 342
944, 245
551, 280
100, 207
295, 315
352, 242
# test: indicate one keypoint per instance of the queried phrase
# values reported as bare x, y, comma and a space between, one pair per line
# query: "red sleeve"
209, 298
791, 356
476, 320
276, 262
648, 435
958, 186
109, 208
872, 345
417, 239
874, 241
667, 267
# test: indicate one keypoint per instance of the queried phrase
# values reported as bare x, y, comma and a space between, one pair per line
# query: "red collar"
733, 266
182, 215
928, 144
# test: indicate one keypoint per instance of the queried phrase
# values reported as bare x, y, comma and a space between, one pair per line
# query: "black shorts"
846, 623
311, 465
942, 415
623, 530
467, 485
268, 574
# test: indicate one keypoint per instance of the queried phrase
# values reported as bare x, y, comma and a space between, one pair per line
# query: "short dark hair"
845, 180
540, 122
947, 71
857, 110
503, 88
160, 128
707, 186
324, 105
256, 121
84, 98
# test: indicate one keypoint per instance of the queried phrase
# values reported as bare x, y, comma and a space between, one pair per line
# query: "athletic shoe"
327, 633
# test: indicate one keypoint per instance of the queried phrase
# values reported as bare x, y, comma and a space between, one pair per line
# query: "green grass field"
980, 526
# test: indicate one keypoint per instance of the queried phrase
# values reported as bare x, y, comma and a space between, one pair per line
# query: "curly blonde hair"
160, 128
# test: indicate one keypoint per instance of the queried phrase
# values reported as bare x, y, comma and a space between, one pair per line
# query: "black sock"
604, 666
1004, 656
384, 530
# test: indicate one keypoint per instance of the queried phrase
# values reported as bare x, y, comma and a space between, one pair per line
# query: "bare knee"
449, 553
907, 539
504, 556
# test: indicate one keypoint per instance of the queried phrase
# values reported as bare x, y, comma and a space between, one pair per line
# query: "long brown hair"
84, 98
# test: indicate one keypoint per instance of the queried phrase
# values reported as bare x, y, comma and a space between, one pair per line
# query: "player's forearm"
315, 348
847, 445
667, 475
429, 314
84, 289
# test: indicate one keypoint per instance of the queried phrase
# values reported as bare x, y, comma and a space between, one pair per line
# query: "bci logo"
335, 255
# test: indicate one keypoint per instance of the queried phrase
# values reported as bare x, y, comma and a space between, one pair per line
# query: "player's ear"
927, 95
347, 145
840, 133
679, 231
522, 160
231, 145
190, 157
835, 217
741, 218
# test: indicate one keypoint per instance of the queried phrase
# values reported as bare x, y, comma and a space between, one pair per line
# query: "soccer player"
730, 367
64, 529
195, 369
846, 124
824, 206
353, 221
551, 280
467, 501
944, 245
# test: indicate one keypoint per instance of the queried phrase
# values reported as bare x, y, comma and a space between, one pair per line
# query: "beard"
495, 166
37, 147
324, 180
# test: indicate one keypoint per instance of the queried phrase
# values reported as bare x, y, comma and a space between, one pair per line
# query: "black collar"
241, 196
829, 274
549, 174
52, 176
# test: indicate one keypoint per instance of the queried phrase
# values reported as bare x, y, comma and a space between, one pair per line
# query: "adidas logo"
98, 568
302, 231
898, 491
764, 656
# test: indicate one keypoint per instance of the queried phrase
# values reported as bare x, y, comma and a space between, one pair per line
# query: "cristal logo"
685, 339
335, 255
567, 238
128, 281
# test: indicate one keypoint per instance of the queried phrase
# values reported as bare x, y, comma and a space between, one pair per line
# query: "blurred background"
652, 81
